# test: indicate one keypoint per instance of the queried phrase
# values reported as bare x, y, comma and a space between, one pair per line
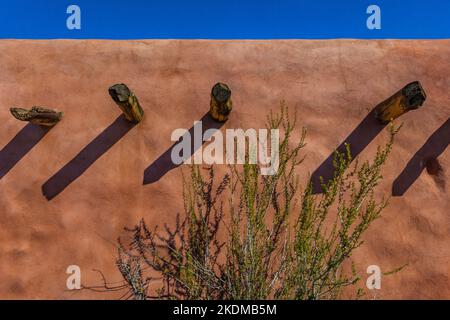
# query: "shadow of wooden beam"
164, 163
433, 148
358, 140
94, 150
20, 145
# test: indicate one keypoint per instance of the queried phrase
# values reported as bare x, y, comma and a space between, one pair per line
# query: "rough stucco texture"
332, 85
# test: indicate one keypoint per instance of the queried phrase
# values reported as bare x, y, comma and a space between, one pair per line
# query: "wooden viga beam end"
221, 103
127, 102
38, 115
410, 97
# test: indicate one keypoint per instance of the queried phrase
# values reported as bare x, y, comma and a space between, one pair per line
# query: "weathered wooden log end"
38, 115
127, 102
410, 97
221, 103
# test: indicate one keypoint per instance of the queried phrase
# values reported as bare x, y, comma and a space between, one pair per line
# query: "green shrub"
248, 236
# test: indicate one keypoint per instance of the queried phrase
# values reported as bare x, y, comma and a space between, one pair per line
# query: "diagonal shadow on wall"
94, 150
433, 147
358, 140
20, 145
164, 163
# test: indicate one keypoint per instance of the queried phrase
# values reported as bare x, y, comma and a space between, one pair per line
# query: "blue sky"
231, 19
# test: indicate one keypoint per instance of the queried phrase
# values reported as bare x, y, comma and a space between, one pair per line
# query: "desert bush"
248, 236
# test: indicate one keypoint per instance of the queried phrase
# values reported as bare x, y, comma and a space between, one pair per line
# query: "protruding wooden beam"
38, 115
127, 102
221, 103
411, 97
